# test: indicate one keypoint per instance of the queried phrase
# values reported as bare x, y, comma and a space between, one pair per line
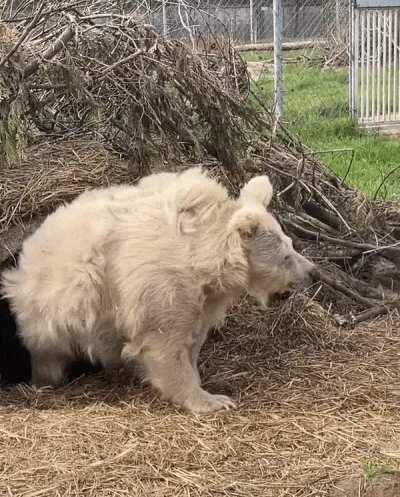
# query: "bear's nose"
311, 275
313, 272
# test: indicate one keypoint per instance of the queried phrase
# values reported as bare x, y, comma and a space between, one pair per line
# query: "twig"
317, 211
385, 178
329, 151
58, 45
379, 249
348, 168
184, 23
334, 283
124, 61
351, 319
346, 243
332, 207
316, 223
296, 45
314, 189
24, 35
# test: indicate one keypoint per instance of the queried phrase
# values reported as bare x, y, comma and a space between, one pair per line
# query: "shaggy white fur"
142, 273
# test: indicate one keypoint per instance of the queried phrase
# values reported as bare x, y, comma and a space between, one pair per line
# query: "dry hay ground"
315, 405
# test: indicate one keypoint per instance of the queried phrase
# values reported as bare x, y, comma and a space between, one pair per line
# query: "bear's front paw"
202, 402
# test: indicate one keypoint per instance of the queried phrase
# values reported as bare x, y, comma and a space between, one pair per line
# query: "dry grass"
315, 403
53, 174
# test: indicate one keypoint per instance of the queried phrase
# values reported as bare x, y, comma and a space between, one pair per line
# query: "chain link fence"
249, 21
315, 36
315, 60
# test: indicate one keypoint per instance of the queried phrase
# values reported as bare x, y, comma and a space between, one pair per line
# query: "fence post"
278, 60
337, 16
353, 60
251, 21
164, 18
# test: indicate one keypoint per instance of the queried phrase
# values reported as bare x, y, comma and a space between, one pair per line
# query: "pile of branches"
86, 85
111, 75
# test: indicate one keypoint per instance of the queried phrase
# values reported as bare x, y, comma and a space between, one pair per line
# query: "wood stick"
329, 280
58, 45
290, 45
365, 247
23, 36
351, 319
319, 212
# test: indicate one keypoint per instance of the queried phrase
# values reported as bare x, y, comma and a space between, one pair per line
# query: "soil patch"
386, 485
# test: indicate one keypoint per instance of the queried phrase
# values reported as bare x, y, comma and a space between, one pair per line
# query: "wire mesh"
203, 22
248, 21
306, 23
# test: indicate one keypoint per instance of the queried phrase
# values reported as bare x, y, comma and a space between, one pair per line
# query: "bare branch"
58, 45
24, 35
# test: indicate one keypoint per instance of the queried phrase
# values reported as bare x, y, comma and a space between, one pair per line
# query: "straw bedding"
315, 404
97, 97
55, 173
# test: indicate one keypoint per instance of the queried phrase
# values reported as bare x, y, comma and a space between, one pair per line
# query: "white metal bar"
374, 67
377, 3
337, 15
278, 60
251, 6
356, 49
396, 67
368, 74
362, 67
379, 75
396, 81
390, 52
398, 55
394, 64
384, 68
351, 59
352, 71
164, 18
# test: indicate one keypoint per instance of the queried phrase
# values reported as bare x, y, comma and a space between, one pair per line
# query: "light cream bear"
156, 183
142, 273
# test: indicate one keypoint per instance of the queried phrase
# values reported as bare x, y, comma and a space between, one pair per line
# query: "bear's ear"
245, 222
258, 190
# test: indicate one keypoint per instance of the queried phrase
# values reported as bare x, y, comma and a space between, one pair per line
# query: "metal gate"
375, 64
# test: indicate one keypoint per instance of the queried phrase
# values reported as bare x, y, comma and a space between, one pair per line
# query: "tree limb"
23, 36
57, 46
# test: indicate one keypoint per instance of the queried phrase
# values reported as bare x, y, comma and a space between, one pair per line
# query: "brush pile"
92, 95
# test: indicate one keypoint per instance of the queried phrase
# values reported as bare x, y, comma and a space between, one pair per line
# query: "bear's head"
274, 265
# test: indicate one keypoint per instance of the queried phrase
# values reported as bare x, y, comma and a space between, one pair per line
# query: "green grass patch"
257, 56
373, 470
316, 109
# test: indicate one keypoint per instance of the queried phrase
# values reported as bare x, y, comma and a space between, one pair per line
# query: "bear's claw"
203, 402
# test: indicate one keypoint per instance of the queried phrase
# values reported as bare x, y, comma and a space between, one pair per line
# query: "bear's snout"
310, 276
308, 272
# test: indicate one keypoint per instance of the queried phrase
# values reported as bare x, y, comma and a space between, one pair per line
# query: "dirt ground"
316, 404
386, 485
259, 70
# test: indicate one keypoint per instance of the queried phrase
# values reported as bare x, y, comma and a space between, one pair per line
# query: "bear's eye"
287, 258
